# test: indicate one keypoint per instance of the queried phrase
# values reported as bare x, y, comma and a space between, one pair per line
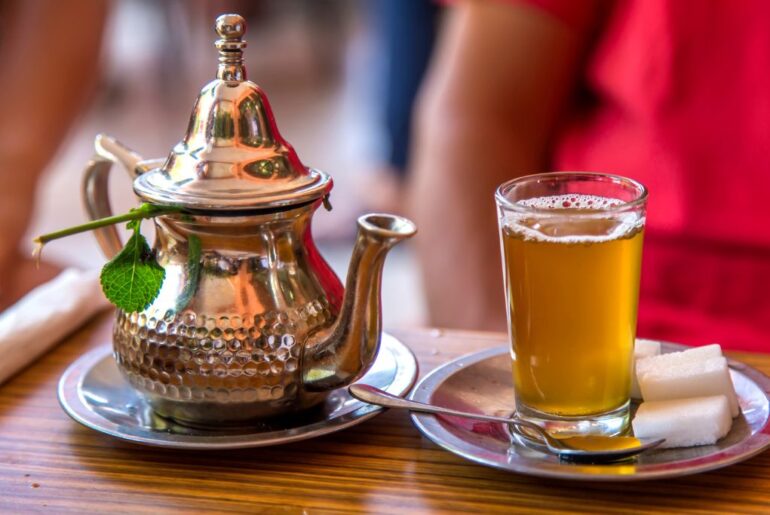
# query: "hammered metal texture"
226, 358
96, 394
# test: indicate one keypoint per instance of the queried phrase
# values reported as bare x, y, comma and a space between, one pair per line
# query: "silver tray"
482, 382
93, 392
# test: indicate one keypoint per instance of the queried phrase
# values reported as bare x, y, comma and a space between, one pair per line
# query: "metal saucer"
94, 393
482, 382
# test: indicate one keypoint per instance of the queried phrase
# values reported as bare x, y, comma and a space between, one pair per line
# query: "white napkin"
45, 315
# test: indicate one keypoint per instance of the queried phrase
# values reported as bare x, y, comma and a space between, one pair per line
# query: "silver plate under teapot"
94, 393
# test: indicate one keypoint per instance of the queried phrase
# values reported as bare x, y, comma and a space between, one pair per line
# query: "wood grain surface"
49, 463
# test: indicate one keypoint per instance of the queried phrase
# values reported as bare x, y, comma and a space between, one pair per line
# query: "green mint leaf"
132, 279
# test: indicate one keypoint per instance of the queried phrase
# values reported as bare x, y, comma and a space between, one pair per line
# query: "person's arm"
502, 75
49, 57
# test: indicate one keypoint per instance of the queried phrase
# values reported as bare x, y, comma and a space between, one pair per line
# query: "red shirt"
679, 99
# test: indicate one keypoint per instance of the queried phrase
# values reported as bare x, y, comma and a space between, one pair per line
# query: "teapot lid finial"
232, 157
231, 28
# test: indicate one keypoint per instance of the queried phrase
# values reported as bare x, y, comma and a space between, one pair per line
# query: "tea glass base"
612, 423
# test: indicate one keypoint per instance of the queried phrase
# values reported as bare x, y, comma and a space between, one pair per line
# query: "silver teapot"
250, 321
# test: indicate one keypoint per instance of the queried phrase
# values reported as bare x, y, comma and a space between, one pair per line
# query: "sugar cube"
686, 356
660, 379
646, 348
642, 349
684, 422
666, 360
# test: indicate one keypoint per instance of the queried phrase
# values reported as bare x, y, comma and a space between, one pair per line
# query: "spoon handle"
372, 395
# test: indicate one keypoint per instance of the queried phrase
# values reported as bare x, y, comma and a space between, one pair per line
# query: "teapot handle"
94, 187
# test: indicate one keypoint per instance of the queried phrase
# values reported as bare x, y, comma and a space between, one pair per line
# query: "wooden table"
50, 463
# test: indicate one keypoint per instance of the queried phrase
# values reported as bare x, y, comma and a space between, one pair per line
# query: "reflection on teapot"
250, 322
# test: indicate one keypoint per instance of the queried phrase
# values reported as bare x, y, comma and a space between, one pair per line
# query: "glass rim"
630, 205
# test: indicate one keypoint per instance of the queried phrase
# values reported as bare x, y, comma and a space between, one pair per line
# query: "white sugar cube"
646, 348
642, 349
661, 380
684, 422
689, 355
642, 363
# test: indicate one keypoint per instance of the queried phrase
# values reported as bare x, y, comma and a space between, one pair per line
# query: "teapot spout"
342, 353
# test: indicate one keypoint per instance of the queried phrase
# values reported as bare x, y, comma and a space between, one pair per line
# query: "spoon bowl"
593, 448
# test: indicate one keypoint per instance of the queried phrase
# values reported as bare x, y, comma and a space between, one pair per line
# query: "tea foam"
571, 201
575, 214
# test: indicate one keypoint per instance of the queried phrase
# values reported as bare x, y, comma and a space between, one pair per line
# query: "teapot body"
223, 341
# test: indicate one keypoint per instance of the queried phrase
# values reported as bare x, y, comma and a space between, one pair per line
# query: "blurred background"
325, 66
672, 93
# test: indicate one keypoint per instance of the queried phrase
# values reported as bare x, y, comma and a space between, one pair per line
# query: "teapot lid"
232, 156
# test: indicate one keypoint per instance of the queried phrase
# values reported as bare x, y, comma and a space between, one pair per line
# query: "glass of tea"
572, 249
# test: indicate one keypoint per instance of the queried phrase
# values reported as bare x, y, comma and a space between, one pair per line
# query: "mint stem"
142, 212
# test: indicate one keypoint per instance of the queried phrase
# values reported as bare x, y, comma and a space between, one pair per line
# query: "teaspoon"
584, 448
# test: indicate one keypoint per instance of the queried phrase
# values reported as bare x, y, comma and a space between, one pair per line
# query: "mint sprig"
132, 279
139, 213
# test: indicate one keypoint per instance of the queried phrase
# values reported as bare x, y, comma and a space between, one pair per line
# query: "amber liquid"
573, 289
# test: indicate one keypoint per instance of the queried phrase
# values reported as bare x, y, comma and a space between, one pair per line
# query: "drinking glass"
572, 249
